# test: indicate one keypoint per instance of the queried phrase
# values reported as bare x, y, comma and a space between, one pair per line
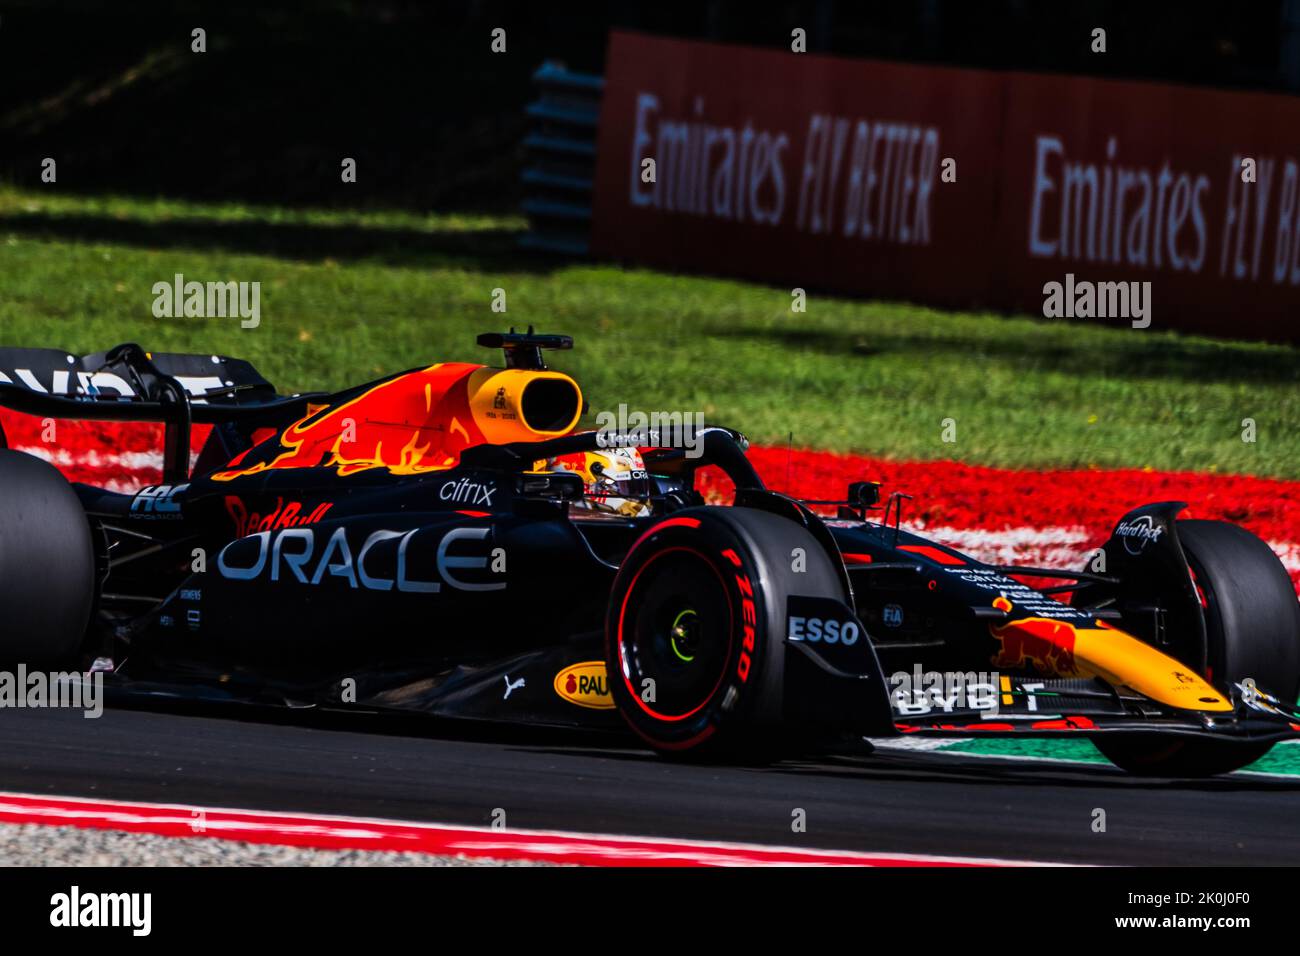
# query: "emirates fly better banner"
952, 187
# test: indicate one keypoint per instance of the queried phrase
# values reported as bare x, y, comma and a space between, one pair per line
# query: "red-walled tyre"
696, 628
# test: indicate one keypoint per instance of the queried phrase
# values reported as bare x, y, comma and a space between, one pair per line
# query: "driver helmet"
615, 478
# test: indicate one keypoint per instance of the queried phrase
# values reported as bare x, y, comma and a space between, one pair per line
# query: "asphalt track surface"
924, 803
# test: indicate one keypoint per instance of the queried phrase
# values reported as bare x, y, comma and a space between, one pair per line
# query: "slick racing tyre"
696, 628
1252, 623
47, 564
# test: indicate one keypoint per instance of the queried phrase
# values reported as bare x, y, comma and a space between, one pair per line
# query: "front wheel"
695, 631
1252, 622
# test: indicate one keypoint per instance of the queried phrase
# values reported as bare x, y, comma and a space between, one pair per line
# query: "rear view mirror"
559, 486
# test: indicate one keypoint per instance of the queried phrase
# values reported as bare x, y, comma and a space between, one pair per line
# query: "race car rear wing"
123, 374
128, 384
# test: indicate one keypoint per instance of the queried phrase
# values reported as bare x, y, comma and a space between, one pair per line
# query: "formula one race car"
443, 541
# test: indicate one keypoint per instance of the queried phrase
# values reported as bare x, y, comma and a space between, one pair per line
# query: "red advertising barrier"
954, 187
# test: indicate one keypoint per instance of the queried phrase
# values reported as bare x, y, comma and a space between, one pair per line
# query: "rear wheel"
1252, 623
47, 564
696, 628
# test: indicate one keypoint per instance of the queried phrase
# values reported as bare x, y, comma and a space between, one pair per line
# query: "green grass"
350, 295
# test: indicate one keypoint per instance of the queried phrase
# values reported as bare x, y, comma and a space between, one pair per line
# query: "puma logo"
512, 686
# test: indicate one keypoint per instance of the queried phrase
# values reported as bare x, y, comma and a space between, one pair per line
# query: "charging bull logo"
1039, 643
1095, 649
